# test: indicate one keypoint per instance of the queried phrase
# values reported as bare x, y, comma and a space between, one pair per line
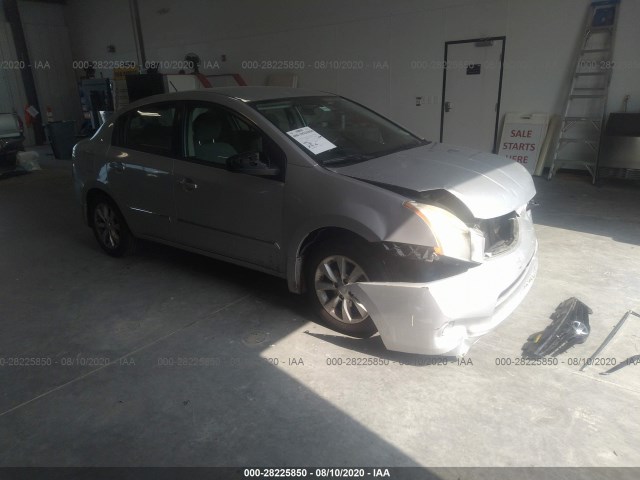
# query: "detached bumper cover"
447, 316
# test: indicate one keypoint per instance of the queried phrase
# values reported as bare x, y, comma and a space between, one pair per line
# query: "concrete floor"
62, 299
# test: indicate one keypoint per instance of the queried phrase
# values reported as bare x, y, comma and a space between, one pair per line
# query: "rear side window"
149, 129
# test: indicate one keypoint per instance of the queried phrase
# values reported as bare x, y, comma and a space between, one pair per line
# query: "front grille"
499, 233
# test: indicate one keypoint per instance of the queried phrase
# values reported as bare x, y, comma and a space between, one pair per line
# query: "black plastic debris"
613, 333
569, 327
635, 360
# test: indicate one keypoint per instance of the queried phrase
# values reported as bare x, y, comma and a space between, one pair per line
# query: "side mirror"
251, 164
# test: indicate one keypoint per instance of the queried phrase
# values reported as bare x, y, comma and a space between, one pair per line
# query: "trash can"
62, 137
620, 151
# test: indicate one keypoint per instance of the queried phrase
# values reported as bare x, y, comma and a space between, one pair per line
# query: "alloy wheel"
107, 225
331, 278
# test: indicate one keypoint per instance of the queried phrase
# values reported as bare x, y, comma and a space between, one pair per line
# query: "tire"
326, 296
110, 228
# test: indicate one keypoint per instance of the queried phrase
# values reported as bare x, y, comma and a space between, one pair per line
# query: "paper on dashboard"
312, 140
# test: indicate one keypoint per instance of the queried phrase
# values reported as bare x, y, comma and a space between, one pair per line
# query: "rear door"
139, 168
227, 213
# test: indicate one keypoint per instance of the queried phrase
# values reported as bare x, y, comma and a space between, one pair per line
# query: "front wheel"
330, 268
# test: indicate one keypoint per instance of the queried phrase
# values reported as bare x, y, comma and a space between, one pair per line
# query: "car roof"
243, 94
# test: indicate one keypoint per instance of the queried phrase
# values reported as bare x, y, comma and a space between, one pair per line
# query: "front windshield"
336, 131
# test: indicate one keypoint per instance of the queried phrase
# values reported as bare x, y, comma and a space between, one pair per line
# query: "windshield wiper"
360, 157
348, 159
402, 148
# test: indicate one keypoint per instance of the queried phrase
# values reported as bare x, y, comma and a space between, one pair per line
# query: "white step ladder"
583, 120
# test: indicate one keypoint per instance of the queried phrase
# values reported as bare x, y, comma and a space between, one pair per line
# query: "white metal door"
472, 93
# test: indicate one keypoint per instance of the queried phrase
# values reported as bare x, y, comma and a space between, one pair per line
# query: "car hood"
489, 185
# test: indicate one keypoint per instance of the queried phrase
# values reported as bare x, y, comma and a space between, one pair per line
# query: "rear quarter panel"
88, 159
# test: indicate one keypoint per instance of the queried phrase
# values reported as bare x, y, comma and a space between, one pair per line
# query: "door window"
149, 129
214, 134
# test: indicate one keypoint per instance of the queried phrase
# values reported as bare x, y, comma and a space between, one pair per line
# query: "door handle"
188, 184
447, 106
117, 166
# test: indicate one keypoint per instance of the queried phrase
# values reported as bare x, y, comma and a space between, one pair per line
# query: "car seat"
207, 136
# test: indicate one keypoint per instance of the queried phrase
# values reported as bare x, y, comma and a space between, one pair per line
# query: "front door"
233, 214
471, 100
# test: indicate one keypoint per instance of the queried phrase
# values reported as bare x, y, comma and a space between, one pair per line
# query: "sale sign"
522, 138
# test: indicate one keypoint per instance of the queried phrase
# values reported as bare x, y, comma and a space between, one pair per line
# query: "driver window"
214, 134
209, 135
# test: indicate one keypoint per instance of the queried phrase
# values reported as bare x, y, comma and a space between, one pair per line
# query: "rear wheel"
330, 268
110, 228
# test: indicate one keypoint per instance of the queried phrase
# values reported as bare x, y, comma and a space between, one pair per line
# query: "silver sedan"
428, 244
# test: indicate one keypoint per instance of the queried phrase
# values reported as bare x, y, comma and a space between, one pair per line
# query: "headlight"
454, 238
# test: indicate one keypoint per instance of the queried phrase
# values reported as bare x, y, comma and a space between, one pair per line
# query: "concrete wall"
393, 49
51, 63
47, 39
12, 95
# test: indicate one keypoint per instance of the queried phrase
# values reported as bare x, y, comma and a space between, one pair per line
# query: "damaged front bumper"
445, 317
